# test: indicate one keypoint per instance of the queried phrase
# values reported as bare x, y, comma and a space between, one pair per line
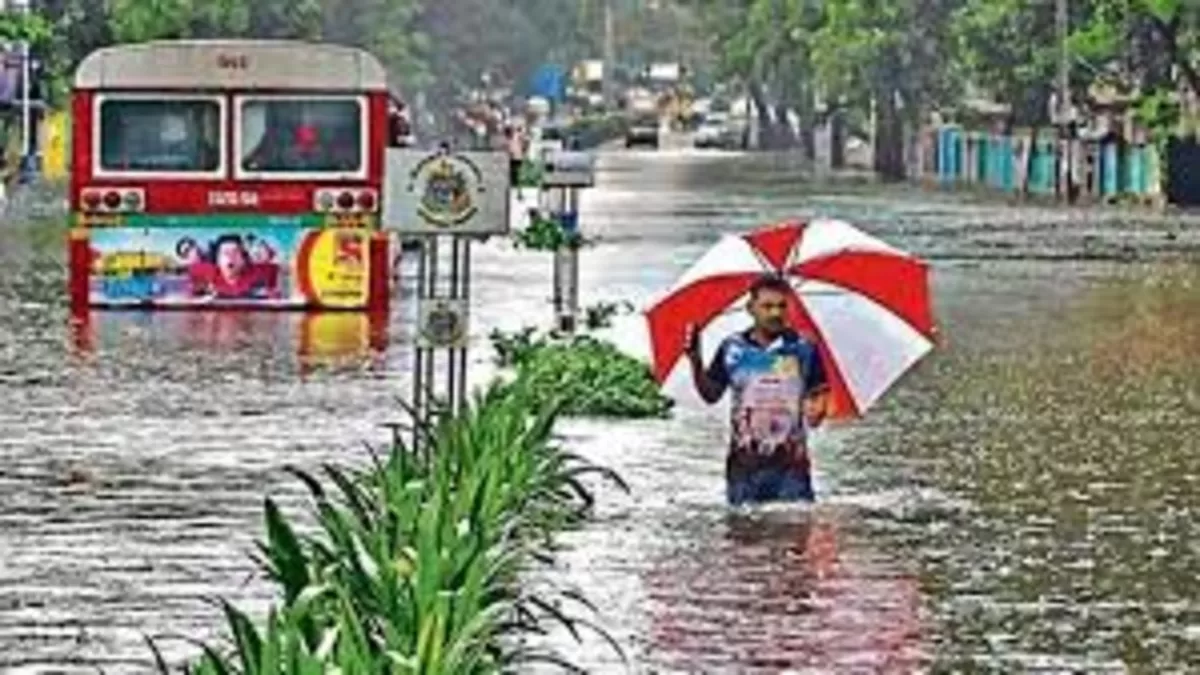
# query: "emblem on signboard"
443, 323
448, 186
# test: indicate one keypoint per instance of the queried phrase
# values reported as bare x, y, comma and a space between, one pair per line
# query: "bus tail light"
113, 200
350, 200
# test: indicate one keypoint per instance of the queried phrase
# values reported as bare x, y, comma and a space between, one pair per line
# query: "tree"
386, 28
895, 54
1008, 50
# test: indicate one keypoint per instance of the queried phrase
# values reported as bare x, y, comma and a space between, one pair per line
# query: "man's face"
769, 309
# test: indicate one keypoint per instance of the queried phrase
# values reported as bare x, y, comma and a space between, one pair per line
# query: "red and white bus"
232, 173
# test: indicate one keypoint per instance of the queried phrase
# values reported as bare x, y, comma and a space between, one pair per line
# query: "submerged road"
1025, 499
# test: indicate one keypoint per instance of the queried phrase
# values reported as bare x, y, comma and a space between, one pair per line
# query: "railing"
1104, 170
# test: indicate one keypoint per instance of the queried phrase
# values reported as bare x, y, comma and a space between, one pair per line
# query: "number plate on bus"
232, 198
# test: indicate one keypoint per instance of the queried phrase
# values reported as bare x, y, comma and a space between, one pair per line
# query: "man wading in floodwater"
776, 376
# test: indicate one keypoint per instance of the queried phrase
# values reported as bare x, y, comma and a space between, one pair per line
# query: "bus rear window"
301, 136
160, 135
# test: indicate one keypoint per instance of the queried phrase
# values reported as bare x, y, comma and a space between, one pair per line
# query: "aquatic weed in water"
592, 377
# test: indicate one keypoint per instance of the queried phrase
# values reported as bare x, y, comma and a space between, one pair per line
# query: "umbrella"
864, 303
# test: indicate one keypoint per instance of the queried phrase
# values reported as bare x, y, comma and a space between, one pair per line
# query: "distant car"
554, 132
643, 130
714, 132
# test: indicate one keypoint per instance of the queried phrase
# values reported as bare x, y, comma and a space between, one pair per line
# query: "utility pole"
27, 142
610, 51
1067, 173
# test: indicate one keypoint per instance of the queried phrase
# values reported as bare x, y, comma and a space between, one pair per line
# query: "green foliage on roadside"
413, 565
546, 234
590, 376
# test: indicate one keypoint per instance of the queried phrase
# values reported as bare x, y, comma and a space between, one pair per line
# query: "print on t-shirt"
768, 385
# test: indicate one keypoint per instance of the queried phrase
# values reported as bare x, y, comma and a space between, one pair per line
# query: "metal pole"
1062, 24
419, 355
452, 402
465, 294
26, 113
552, 203
610, 50
431, 359
572, 272
26, 117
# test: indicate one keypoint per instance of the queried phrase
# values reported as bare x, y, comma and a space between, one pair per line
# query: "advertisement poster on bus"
254, 266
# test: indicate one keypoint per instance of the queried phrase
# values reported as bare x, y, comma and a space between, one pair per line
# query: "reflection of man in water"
773, 373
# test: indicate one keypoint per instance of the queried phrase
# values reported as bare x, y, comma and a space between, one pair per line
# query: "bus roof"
231, 64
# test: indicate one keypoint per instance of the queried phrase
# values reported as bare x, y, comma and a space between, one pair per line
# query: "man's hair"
769, 282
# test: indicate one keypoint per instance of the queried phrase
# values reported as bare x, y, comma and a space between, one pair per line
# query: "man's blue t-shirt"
768, 385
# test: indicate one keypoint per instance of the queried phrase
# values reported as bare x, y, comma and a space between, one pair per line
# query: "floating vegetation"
547, 234
592, 377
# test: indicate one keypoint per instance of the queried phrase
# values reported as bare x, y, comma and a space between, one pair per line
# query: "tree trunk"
837, 139
806, 112
1028, 161
785, 139
762, 109
889, 137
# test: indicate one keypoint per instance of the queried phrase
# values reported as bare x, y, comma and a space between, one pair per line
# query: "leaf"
246, 639
159, 662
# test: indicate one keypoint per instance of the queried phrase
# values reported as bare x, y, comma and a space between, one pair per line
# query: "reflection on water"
1074, 432
320, 340
771, 591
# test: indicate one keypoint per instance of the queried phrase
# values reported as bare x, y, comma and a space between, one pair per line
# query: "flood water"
1024, 500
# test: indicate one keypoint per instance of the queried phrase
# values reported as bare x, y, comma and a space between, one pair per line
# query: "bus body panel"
258, 65
207, 195
174, 249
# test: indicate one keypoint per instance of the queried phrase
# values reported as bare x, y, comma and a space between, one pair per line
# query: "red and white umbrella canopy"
865, 303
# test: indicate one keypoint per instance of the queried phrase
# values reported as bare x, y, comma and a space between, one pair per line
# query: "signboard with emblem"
446, 193
442, 323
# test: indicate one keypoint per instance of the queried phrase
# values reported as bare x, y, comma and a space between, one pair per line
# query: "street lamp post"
28, 146
610, 52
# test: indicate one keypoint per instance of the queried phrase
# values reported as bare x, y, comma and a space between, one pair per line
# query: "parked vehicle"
643, 130
231, 173
714, 132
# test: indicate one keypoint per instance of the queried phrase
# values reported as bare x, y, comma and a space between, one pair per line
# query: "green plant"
530, 174
547, 234
414, 564
591, 377
512, 348
600, 314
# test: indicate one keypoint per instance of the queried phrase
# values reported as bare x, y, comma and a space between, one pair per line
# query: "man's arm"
712, 381
816, 389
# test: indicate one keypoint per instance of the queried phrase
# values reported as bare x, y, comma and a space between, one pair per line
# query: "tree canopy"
905, 58
428, 45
